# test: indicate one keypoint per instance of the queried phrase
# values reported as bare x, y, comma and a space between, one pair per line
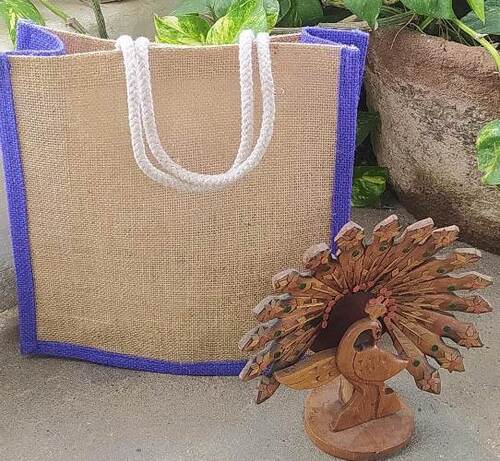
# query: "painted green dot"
435, 348
302, 286
287, 308
416, 363
277, 355
446, 329
452, 288
277, 334
383, 247
452, 306
441, 270
356, 253
406, 250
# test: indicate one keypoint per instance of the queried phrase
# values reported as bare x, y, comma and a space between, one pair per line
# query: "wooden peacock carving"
340, 306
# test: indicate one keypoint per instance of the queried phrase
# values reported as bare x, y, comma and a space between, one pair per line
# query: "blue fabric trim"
37, 41
346, 140
45, 44
90, 354
14, 184
353, 56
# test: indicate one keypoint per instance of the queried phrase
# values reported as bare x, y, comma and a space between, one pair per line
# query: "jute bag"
131, 247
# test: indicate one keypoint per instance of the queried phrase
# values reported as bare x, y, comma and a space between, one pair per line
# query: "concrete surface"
62, 410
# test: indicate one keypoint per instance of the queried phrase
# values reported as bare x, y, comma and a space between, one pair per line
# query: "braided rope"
142, 117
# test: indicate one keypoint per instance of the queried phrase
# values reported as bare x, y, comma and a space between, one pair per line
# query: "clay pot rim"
437, 51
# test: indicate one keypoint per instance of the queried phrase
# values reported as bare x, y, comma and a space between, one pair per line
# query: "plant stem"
72, 22
387, 10
426, 22
481, 40
101, 23
399, 19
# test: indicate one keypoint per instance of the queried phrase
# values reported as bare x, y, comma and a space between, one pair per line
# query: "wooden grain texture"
366, 367
269, 384
445, 302
402, 246
401, 281
279, 327
313, 371
430, 343
284, 305
369, 441
302, 283
445, 284
346, 390
275, 350
384, 234
267, 387
325, 267
420, 252
377, 307
435, 267
350, 253
463, 333
426, 377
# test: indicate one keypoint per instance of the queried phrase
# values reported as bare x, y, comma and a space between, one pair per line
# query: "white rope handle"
142, 116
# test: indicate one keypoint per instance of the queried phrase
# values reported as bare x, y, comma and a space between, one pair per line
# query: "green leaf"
368, 186
367, 122
220, 7
272, 8
284, 8
13, 10
183, 30
192, 7
488, 153
434, 8
492, 19
302, 12
367, 10
242, 15
478, 8
336, 15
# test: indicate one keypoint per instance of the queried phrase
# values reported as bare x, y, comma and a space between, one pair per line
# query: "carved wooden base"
368, 441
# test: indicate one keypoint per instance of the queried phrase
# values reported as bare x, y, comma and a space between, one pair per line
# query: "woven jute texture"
121, 263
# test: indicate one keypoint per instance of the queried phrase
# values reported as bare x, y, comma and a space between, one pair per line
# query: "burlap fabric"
124, 265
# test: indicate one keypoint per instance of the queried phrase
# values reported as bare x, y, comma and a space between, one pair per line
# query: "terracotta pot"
433, 97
